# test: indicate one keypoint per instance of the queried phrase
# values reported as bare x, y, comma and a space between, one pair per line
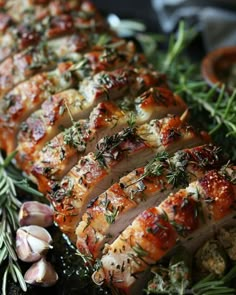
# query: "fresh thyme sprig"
163, 164
109, 143
9, 206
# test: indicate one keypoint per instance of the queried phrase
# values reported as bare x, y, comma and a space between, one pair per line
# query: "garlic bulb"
35, 213
32, 242
41, 273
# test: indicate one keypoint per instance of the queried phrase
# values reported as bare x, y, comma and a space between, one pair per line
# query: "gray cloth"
215, 19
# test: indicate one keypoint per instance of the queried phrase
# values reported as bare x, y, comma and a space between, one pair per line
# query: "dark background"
142, 10
139, 10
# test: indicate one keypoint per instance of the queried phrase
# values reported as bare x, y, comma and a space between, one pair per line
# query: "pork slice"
22, 65
205, 204
27, 97
44, 57
109, 214
61, 153
18, 37
115, 156
64, 108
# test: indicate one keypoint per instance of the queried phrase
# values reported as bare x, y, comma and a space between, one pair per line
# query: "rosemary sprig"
178, 44
8, 216
9, 206
212, 285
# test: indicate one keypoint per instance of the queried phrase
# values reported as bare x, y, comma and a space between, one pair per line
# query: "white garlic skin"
41, 274
32, 243
35, 213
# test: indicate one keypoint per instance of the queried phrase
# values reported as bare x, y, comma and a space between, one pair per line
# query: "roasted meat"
106, 140
60, 154
54, 23
45, 55
28, 96
138, 191
183, 216
60, 110
114, 155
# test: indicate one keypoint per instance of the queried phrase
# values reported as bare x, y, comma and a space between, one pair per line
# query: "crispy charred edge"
178, 217
86, 17
72, 142
123, 81
95, 166
138, 186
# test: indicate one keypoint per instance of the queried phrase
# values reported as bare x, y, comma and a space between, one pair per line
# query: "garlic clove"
32, 242
38, 232
37, 246
35, 213
41, 273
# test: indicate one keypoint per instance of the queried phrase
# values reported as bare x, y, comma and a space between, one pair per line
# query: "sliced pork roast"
15, 37
95, 127
110, 213
62, 109
183, 216
45, 55
114, 157
107, 118
37, 10
27, 97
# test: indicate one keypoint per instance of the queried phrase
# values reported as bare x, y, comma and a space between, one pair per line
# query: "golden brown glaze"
157, 230
137, 191
55, 113
114, 155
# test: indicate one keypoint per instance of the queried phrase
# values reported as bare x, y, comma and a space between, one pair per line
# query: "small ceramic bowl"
219, 67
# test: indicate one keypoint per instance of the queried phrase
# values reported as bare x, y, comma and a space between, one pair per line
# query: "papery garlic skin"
35, 213
42, 274
32, 242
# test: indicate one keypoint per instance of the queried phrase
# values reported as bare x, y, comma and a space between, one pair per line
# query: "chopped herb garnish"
139, 251
73, 137
111, 214
109, 143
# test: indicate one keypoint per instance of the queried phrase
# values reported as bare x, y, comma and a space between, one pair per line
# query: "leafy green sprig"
10, 179
212, 285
